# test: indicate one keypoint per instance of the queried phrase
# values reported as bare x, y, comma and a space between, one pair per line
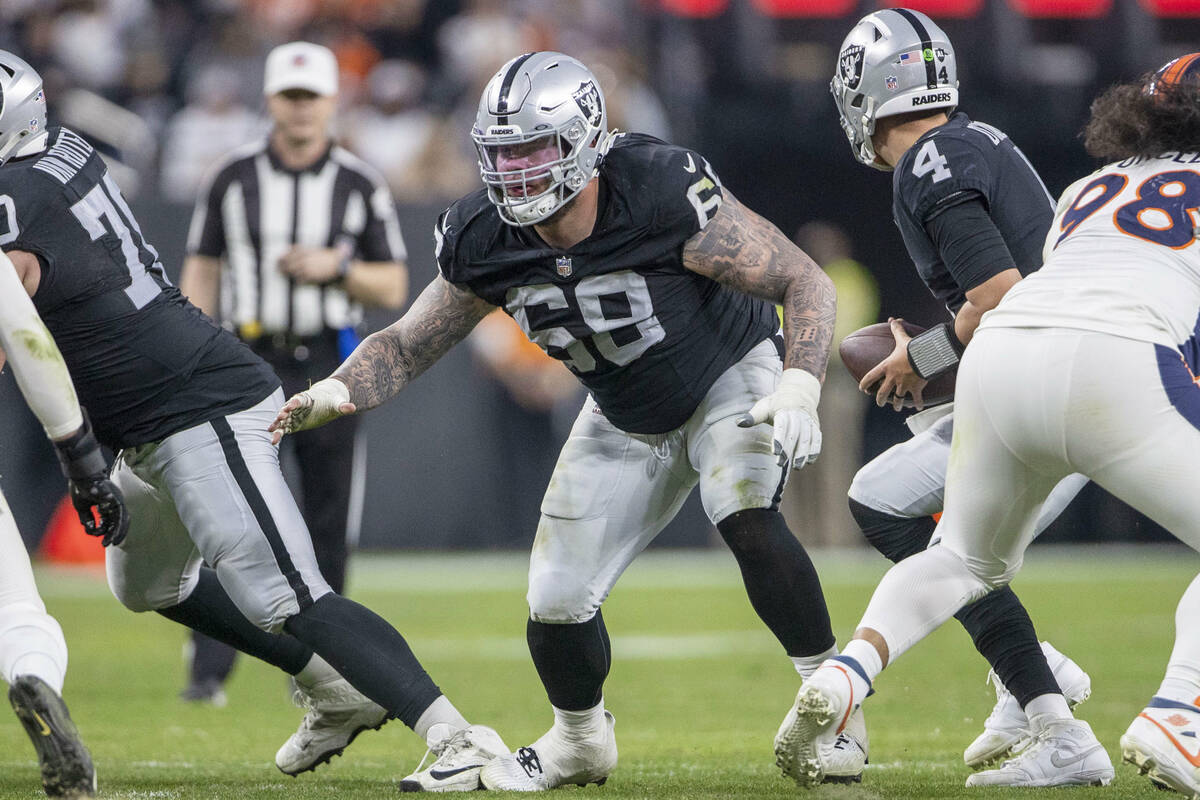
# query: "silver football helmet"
541, 131
894, 61
22, 104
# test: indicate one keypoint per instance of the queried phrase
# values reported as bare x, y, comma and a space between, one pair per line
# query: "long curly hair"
1132, 119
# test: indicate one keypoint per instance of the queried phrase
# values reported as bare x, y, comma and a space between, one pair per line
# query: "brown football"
866, 347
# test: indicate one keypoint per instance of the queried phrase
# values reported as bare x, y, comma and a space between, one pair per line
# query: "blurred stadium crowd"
166, 87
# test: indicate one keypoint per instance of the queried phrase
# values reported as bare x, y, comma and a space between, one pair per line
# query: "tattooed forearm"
388, 360
742, 250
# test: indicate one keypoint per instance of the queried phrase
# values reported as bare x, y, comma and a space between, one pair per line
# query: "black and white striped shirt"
255, 209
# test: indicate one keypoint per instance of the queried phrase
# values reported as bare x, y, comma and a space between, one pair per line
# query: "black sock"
209, 610
780, 580
896, 538
369, 653
211, 660
572, 660
999, 625
1004, 634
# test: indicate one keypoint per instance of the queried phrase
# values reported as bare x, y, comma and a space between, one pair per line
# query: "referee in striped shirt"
290, 239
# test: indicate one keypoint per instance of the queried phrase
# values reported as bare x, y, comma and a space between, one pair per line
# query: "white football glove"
792, 409
324, 401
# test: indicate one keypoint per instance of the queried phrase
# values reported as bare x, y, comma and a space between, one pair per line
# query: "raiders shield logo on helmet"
587, 97
850, 64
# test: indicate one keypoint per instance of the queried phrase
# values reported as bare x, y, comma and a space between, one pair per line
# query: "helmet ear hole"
857, 102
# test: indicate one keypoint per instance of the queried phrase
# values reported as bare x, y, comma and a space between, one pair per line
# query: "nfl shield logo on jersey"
563, 265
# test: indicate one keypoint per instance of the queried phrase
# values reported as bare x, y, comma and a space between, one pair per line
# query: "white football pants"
31, 641
612, 492
909, 479
1032, 406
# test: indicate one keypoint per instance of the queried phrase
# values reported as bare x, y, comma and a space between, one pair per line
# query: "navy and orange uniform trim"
645, 335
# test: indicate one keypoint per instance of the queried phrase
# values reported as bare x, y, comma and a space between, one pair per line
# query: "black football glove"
97, 500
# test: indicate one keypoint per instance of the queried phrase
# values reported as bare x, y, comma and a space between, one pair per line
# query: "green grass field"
698, 686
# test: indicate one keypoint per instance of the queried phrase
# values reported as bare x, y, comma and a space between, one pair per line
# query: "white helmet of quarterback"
541, 132
894, 61
22, 104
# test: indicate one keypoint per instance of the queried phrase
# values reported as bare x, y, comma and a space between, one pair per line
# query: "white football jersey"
1121, 256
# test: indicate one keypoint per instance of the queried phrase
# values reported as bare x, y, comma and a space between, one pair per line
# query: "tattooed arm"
387, 360
741, 249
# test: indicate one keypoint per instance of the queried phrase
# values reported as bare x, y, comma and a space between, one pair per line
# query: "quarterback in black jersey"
625, 258
187, 407
973, 214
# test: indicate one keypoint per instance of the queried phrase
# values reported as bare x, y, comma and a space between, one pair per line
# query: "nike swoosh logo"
691, 165
45, 728
439, 775
1075, 759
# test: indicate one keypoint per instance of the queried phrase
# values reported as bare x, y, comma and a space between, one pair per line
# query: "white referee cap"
301, 65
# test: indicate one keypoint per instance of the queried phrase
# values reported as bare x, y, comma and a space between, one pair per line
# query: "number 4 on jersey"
930, 160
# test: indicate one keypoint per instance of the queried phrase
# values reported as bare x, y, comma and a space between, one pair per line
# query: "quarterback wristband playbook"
79, 454
934, 351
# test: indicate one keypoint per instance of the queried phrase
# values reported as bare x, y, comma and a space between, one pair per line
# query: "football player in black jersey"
973, 214
625, 258
187, 406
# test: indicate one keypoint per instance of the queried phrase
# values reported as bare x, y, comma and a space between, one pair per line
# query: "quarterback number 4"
929, 160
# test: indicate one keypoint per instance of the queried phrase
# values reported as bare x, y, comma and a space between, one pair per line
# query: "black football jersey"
956, 161
644, 334
145, 362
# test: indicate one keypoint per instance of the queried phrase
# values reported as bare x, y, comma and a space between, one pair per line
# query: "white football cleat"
845, 759
460, 757
1006, 729
554, 760
809, 731
1164, 743
337, 713
1064, 753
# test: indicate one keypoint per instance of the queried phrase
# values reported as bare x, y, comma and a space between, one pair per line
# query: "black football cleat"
67, 769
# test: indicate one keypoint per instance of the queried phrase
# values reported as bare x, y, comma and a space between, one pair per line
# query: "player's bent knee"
893, 536
992, 571
557, 601
871, 483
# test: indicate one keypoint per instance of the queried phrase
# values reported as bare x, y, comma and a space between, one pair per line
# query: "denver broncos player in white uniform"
973, 214
33, 652
624, 257
1090, 365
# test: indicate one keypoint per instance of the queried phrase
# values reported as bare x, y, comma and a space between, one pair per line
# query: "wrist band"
934, 351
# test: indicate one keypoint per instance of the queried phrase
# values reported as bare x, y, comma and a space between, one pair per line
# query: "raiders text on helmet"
893, 61
540, 102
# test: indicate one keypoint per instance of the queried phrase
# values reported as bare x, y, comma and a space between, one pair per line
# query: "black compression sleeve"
967, 239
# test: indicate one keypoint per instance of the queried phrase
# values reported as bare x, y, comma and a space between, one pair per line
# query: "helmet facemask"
540, 133
856, 114
553, 175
